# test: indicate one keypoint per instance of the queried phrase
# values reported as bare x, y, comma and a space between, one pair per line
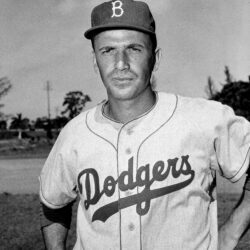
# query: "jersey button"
131, 227
129, 131
128, 151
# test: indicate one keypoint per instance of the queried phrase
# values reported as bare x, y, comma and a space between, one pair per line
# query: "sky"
42, 40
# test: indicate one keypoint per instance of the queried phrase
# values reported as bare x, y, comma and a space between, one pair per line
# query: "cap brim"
93, 31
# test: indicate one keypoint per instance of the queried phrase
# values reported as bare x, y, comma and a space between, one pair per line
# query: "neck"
128, 110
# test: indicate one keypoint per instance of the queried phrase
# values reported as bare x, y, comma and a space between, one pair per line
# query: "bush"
8, 134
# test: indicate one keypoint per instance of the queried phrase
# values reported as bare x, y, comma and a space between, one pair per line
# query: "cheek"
143, 64
104, 68
145, 70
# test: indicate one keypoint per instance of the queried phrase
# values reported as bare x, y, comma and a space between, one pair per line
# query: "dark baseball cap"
121, 14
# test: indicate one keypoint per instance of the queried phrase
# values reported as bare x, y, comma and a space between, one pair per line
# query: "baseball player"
143, 163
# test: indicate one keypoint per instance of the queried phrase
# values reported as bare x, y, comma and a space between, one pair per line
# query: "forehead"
122, 36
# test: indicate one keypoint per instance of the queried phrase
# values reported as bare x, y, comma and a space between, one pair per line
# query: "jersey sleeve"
57, 178
231, 144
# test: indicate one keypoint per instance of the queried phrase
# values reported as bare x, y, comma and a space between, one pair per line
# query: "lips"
122, 82
123, 79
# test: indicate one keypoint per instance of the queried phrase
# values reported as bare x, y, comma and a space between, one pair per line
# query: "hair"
154, 42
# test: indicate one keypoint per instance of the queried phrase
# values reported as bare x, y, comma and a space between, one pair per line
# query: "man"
143, 163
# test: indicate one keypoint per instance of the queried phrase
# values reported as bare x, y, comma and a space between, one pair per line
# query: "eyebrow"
136, 45
126, 46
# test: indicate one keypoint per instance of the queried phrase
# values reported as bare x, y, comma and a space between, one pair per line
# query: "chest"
135, 166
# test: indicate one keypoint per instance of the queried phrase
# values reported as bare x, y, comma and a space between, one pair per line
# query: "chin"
122, 94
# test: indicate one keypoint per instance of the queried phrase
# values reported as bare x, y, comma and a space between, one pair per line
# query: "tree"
59, 122
233, 93
229, 78
3, 125
74, 103
210, 89
40, 123
19, 123
5, 87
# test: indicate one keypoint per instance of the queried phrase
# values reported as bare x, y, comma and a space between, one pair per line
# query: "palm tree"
19, 123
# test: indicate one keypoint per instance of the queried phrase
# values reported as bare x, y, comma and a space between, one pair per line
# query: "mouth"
122, 79
122, 82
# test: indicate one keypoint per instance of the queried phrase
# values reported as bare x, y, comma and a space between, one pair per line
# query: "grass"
24, 148
19, 223
19, 227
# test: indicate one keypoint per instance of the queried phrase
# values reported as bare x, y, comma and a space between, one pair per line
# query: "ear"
96, 69
158, 54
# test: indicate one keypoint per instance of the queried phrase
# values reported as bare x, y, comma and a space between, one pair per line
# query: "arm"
55, 224
237, 223
55, 236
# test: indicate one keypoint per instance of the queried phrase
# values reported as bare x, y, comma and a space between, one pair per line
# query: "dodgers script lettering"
160, 171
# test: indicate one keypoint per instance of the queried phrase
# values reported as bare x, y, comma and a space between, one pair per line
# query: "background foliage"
235, 94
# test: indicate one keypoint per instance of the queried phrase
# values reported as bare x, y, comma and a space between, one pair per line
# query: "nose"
122, 61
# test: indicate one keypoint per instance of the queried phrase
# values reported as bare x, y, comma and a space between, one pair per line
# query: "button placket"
124, 157
130, 229
131, 226
128, 151
128, 193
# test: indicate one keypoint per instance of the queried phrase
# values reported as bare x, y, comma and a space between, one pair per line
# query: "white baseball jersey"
148, 184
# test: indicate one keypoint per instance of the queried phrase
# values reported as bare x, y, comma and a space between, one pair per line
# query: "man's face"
125, 60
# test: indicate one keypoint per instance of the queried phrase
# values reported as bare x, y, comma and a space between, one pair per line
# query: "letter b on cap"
117, 9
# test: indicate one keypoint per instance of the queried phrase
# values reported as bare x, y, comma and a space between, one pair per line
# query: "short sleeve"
231, 144
57, 178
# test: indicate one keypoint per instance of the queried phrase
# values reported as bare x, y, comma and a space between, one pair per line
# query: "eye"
107, 51
135, 49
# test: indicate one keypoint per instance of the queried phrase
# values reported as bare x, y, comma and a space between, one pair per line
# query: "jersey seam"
87, 125
229, 178
176, 104
137, 118
191, 121
175, 108
43, 197
117, 163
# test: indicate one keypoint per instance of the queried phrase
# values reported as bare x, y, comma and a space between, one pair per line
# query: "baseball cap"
116, 14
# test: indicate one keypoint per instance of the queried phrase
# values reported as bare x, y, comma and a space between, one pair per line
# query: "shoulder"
202, 113
199, 104
203, 109
77, 125
193, 106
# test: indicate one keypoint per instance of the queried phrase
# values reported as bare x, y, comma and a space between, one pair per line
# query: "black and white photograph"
125, 124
